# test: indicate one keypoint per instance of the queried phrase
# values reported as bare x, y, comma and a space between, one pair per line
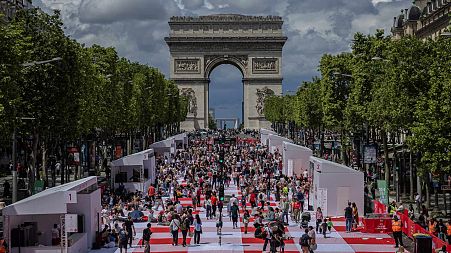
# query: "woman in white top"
197, 229
175, 226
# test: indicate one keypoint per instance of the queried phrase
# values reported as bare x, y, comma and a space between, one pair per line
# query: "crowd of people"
202, 172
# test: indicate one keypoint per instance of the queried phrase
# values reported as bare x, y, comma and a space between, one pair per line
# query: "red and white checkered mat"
236, 241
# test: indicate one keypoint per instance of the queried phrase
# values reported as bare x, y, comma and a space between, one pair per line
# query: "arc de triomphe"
253, 44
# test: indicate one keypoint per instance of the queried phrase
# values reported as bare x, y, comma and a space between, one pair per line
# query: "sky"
136, 28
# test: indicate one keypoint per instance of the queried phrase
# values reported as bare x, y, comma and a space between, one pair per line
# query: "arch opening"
225, 96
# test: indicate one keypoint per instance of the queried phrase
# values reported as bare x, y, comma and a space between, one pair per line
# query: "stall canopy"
264, 135
135, 171
334, 185
181, 141
164, 147
50, 201
275, 142
296, 159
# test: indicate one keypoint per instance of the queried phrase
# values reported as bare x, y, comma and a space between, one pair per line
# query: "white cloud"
314, 27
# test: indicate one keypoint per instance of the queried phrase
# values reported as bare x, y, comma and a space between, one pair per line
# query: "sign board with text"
71, 223
322, 200
370, 154
383, 191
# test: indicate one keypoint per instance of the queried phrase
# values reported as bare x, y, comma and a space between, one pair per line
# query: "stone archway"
253, 44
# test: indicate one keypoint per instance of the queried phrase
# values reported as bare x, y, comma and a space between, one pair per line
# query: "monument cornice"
244, 39
265, 80
200, 81
225, 18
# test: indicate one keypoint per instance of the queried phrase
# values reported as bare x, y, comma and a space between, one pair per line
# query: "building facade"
9, 7
424, 19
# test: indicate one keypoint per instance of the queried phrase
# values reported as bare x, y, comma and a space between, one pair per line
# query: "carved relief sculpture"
265, 65
192, 101
261, 96
187, 66
242, 59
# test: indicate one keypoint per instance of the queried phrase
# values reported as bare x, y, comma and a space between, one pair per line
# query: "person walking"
448, 231
296, 210
397, 231
234, 211
197, 229
146, 238
175, 226
214, 202
304, 241
123, 238
441, 230
285, 206
355, 215
319, 219
348, 217
208, 208
184, 227
268, 236
130, 227
246, 218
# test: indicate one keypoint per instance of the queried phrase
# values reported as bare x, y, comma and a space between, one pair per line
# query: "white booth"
164, 148
275, 142
74, 207
334, 185
181, 141
264, 134
296, 159
135, 171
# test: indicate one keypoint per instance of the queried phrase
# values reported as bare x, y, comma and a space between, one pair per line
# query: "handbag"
313, 246
190, 233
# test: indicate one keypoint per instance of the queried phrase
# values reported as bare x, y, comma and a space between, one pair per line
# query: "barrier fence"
409, 227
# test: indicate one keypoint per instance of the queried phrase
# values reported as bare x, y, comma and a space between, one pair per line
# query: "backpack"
304, 241
122, 235
183, 225
146, 234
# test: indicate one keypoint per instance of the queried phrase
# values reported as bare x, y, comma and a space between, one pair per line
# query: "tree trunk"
342, 148
44, 161
428, 196
386, 168
411, 175
404, 179
33, 161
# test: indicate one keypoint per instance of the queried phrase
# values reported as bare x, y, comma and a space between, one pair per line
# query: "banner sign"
322, 200
74, 156
38, 186
383, 191
370, 154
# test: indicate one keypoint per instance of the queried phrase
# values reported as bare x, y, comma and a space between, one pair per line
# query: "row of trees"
85, 93
382, 89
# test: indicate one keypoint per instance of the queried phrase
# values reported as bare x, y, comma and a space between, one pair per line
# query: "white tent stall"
264, 136
334, 185
296, 159
181, 141
74, 207
164, 148
135, 171
275, 142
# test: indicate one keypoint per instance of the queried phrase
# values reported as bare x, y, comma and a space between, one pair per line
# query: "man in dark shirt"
130, 228
348, 216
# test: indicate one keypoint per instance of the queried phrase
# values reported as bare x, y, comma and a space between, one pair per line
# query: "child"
324, 227
329, 224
